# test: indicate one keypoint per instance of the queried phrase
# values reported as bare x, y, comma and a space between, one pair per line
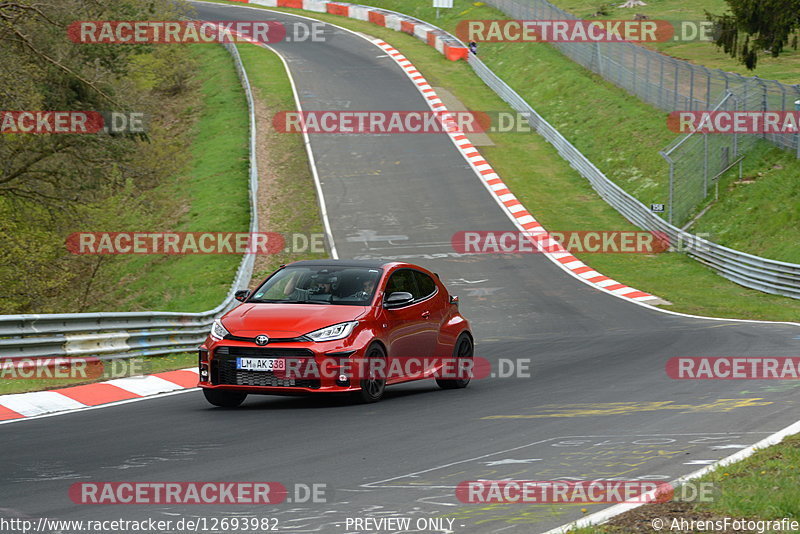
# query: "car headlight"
218, 331
330, 333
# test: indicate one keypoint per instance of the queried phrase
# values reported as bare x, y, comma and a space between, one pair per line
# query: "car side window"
402, 280
425, 285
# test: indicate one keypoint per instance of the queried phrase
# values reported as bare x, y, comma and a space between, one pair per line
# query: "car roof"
369, 264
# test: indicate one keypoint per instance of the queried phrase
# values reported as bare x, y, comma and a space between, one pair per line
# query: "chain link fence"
763, 274
675, 85
697, 161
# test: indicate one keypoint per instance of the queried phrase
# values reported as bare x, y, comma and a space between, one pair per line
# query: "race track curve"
598, 403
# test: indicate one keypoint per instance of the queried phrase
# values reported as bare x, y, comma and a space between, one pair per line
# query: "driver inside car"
320, 285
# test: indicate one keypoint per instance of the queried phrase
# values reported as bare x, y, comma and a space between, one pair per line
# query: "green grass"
761, 213
763, 486
291, 205
212, 195
289, 202
785, 68
622, 136
556, 194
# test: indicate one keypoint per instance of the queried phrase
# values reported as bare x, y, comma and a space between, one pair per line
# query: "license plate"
261, 364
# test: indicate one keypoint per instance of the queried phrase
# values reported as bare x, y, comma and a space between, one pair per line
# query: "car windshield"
354, 286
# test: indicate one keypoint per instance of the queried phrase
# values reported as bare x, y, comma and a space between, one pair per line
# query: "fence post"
647, 77
797, 135
671, 189
675, 95
705, 165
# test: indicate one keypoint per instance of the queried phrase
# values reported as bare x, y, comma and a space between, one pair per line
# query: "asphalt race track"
597, 404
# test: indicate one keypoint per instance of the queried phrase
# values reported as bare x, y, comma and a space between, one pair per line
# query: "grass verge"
785, 68
287, 195
210, 196
762, 487
622, 136
556, 194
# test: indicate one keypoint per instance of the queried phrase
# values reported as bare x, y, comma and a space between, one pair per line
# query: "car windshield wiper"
279, 301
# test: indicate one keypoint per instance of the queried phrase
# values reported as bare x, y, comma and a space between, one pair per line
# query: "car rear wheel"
224, 399
462, 353
373, 386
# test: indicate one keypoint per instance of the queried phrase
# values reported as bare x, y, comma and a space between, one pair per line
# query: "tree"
53, 185
753, 26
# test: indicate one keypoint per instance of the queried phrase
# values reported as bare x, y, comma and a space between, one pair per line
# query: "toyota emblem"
262, 339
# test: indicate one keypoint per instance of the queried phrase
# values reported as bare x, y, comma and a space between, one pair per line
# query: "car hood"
287, 320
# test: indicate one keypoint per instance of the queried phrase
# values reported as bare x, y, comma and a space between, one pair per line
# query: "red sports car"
333, 326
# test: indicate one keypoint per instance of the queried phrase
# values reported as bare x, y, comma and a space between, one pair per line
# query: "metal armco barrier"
109, 335
668, 83
124, 335
769, 276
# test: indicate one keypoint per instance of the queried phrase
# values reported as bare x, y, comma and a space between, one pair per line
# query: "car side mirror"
454, 299
398, 299
242, 295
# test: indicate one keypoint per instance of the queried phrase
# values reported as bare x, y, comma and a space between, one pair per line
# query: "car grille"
223, 368
265, 352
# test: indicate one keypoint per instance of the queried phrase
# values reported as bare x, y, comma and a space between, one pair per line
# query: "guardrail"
763, 274
748, 270
769, 276
666, 82
109, 335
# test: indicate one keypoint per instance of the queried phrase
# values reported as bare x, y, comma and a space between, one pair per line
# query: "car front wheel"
224, 399
462, 353
373, 385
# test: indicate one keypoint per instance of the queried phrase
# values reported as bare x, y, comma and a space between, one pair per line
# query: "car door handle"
426, 314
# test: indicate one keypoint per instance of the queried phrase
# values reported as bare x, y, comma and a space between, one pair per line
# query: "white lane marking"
522, 220
604, 515
312, 162
512, 461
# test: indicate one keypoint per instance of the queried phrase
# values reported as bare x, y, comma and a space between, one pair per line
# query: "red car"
334, 326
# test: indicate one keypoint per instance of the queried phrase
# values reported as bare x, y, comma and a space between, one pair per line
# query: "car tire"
372, 388
464, 348
224, 399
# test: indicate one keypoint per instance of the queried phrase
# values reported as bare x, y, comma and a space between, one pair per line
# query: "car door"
433, 314
408, 336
